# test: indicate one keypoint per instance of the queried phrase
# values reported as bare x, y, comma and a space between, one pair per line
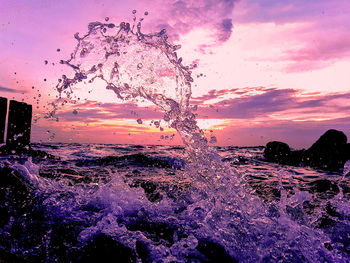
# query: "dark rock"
296, 157
19, 125
347, 151
277, 152
3, 113
104, 248
329, 152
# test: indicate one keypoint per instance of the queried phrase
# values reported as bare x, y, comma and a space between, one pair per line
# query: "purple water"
164, 204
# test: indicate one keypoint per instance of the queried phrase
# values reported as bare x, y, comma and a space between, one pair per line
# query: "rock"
3, 111
277, 152
347, 151
296, 157
19, 125
280, 152
329, 152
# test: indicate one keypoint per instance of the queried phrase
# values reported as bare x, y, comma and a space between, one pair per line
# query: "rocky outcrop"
277, 152
280, 152
330, 152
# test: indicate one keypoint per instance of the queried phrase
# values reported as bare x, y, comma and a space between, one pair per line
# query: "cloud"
321, 32
92, 111
258, 102
287, 11
318, 50
180, 17
3, 89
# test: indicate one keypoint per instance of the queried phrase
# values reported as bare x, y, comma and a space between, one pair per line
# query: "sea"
153, 203
136, 203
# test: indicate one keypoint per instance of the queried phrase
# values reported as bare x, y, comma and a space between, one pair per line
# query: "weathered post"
19, 125
3, 112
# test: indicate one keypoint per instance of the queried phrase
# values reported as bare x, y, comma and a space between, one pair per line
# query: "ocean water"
140, 203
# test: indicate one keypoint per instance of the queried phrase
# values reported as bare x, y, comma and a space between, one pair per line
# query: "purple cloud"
322, 29
91, 111
9, 90
181, 16
267, 101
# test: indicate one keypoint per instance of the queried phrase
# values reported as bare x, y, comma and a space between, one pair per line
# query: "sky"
267, 69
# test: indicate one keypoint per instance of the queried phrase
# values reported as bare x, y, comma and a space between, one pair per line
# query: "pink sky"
273, 70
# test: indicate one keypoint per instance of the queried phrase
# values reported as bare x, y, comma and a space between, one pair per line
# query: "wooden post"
19, 125
3, 112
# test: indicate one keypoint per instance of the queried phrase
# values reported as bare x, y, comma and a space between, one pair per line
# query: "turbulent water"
143, 199
166, 204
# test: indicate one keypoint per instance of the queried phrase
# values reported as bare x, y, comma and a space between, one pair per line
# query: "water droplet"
106, 18
134, 12
139, 66
212, 139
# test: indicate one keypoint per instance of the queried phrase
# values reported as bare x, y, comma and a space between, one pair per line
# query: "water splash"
219, 205
136, 65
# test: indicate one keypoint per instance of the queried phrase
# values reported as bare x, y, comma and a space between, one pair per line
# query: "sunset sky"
272, 69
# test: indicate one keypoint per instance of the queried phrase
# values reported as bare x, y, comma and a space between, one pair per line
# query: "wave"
138, 159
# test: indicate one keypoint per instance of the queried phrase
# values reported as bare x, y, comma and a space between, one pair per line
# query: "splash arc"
136, 66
